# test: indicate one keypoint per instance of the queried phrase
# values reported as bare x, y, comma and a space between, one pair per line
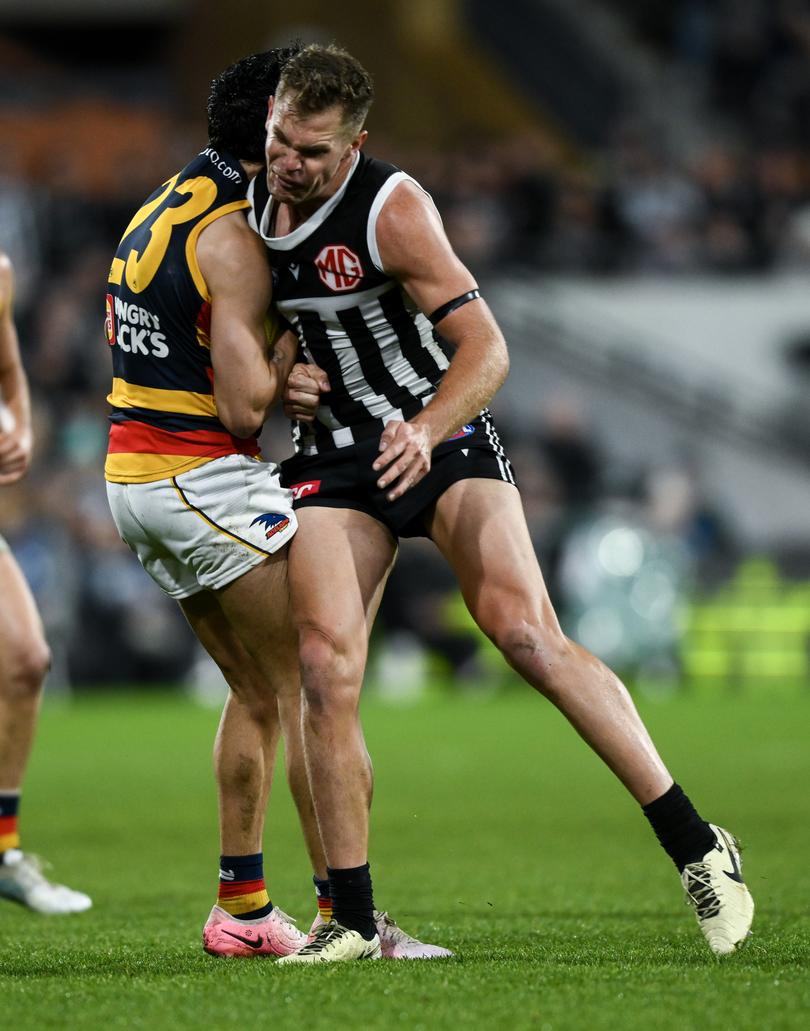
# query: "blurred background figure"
630, 183
24, 656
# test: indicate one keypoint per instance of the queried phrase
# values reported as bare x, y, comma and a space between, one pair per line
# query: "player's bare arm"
246, 381
15, 425
415, 250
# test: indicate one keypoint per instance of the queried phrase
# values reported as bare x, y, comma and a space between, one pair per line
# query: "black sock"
352, 899
684, 836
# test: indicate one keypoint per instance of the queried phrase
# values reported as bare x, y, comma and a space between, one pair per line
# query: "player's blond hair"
322, 77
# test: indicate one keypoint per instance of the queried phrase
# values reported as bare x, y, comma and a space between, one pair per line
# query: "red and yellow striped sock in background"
9, 834
324, 898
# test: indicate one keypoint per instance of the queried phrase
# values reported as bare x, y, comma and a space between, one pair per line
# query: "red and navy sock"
684, 836
323, 898
242, 891
9, 810
353, 899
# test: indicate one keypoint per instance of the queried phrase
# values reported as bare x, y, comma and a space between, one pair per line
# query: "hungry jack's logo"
109, 321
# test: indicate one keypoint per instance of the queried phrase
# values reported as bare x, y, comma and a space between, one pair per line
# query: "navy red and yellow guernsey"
164, 417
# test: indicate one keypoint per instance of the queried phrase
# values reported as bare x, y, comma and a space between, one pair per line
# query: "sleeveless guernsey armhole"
193, 236
250, 196
383, 194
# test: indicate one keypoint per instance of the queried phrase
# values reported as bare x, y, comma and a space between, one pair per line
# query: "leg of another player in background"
339, 562
24, 661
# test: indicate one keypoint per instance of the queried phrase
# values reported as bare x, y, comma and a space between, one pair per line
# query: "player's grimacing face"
306, 153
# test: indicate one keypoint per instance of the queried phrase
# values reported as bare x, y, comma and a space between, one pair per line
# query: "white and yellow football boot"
333, 943
716, 891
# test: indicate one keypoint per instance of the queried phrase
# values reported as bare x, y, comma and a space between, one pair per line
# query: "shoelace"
391, 928
700, 890
326, 934
285, 916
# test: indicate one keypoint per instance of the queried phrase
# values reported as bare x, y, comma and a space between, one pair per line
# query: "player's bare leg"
480, 528
247, 737
259, 661
333, 621
334, 625
24, 660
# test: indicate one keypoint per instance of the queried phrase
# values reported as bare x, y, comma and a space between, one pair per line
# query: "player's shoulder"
229, 238
229, 249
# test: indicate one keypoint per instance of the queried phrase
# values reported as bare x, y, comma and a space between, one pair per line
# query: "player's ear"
359, 140
270, 104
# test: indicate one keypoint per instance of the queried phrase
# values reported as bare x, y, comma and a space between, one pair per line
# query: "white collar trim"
307, 228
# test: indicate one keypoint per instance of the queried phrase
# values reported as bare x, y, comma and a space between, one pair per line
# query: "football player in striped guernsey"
24, 655
403, 445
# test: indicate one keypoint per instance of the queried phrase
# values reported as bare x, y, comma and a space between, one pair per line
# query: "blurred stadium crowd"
730, 196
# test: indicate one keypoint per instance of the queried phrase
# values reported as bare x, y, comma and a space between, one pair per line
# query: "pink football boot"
271, 935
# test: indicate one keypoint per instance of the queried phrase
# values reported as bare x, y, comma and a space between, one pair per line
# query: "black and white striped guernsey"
382, 356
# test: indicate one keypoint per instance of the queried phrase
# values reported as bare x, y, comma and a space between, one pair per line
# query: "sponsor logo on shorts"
301, 490
272, 522
338, 267
465, 431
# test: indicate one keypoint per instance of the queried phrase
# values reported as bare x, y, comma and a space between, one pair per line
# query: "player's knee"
325, 655
536, 650
25, 668
331, 670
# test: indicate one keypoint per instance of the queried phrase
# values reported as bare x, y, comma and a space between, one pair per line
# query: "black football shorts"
345, 478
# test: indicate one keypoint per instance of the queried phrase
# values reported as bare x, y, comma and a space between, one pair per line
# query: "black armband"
457, 302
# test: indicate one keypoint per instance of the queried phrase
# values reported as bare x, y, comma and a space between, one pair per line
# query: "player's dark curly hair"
237, 103
320, 77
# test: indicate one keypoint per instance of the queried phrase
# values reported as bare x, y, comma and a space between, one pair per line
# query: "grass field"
495, 832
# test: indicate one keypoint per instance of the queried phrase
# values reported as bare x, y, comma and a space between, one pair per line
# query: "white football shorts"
205, 528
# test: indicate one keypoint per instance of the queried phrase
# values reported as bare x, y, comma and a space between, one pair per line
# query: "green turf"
495, 832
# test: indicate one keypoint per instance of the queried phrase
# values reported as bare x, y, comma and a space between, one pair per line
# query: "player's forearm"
244, 395
14, 393
477, 371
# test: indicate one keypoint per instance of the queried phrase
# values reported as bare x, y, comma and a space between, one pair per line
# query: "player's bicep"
234, 265
415, 251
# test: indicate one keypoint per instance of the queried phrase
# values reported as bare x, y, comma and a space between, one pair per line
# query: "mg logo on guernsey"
338, 267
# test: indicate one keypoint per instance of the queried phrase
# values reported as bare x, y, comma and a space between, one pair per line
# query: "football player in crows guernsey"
193, 376
24, 655
403, 445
